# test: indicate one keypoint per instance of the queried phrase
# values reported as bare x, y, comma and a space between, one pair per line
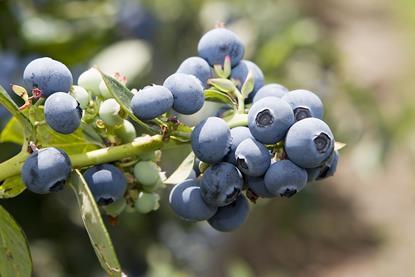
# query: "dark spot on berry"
57, 186
233, 194
322, 143
241, 163
323, 173
288, 193
79, 110
301, 113
264, 118
102, 201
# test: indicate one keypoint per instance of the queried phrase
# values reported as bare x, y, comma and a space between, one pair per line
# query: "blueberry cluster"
285, 145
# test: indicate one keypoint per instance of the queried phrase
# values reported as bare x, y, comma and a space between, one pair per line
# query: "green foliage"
15, 257
12, 187
183, 171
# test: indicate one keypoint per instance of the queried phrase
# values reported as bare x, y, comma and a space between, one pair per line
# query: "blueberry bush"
105, 141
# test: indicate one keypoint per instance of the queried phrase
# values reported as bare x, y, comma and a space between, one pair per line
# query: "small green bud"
147, 173
147, 202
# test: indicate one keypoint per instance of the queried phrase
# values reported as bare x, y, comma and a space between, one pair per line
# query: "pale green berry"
104, 90
90, 81
109, 112
147, 174
81, 95
126, 132
116, 208
147, 202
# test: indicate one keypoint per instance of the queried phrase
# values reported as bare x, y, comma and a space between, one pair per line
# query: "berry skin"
238, 135
126, 132
211, 140
284, 178
309, 143
269, 119
231, 217
257, 186
151, 102
304, 104
109, 112
218, 43
186, 201
81, 95
48, 75
197, 67
252, 158
106, 182
326, 170
221, 184
187, 92
240, 72
104, 90
275, 90
62, 113
90, 80
147, 174
147, 202
46, 170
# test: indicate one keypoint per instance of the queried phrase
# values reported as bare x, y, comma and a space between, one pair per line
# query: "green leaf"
222, 84
15, 259
9, 104
248, 85
12, 187
183, 171
13, 132
217, 96
94, 225
123, 96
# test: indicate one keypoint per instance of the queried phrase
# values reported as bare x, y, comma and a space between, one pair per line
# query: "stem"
241, 105
238, 120
14, 165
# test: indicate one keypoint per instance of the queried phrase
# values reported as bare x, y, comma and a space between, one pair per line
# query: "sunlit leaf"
12, 187
217, 96
15, 259
183, 171
13, 132
94, 225
339, 145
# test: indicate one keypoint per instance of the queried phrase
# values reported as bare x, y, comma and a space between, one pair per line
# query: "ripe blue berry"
106, 182
46, 170
284, 178
326, 170
304, 104
275, 90
238, 135
211, 140
62, 113
90, 80
109, 112
187, 92
309, 143
269, 119
48, 75
240, 72
252, 157
257, 186
218, 43
197, 67
230, 217
221, 184
186, 201
151, 102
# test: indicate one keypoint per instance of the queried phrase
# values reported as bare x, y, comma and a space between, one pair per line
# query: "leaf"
12, 187
222, 84
9, 104
15, 259
248, 85
13, 132
339, 145
94, 225
21, 92
123, 96
183, 171
217, 96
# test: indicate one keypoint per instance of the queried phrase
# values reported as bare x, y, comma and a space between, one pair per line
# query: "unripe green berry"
81, 95
104, 90
90, 81
147, 174
126, 132
109, 112
116, 208
147, 202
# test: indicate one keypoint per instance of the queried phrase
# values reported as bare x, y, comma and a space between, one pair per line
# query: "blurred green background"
358, 56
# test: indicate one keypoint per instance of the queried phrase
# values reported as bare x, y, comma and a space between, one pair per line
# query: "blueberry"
46, 170
240, 72
48, 75
238, 135
275, 90
252, 157
197, 67
81, 95
109, 112
231, 217
90, 80
187, 92
103, 89
309, 143
151, 102
106, 182
126, 132
62, 113
218, 43
269, 119
304, 104
186, 201
285, 178
257, 186
326, 170
211, 140
147, 173
221, 184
